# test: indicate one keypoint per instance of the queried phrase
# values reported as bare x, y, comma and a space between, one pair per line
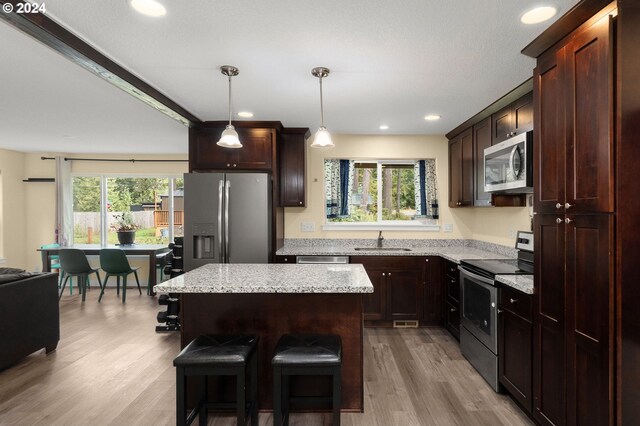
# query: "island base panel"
272, 315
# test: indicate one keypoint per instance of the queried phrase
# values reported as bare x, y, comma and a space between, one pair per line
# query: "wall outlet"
447, 227
308, 227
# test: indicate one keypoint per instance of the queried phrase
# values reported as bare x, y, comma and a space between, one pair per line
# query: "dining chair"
74, 263
114, 262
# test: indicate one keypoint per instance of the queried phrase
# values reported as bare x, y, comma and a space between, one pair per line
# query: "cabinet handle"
513, 300
558, 206
389, 274
234, 165
286, 260
384, 275
453, 281
228, 164
558, 220
508, 134
459, 203
453, 309
567, 220
300, 203
567, 205
499, 311
426, 260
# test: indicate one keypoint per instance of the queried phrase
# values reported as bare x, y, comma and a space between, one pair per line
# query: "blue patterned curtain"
344, 187
426, 188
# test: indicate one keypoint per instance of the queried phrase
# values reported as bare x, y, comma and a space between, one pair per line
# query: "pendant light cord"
229, 100
321, 105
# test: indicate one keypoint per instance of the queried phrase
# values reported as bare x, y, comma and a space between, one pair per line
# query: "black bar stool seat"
305, 354
219, 355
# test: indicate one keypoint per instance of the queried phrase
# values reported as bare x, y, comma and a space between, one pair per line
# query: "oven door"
479, 308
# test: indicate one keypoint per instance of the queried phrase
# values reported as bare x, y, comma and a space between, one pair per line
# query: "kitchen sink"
381, 249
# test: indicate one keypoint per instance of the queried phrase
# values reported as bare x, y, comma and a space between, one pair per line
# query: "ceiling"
391, 63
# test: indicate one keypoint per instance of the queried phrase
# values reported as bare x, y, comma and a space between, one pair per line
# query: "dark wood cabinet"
515, 341
574, 192
481, 141
451, 279
398, 288
433, 292
461, 170
257, 152
292, 167
512, 120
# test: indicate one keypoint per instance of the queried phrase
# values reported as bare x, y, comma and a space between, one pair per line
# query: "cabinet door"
514, 347
549, 307
461, 170
452, 318
292, 169
589, 292
522, 114
374, 304
549, 137
433, 293
589, 185
404, 294
481, 140
256, 152
501, 125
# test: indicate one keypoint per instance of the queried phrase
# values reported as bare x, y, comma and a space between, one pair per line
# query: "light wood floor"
111, 368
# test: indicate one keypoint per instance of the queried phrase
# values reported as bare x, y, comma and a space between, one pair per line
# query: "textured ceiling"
391, 63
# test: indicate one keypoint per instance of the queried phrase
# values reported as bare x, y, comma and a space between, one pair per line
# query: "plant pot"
126, 237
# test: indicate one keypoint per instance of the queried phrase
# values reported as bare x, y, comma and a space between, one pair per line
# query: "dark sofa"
29, 314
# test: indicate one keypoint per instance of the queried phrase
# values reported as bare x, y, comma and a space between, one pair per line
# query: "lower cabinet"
398, 284
451, 280
515, 341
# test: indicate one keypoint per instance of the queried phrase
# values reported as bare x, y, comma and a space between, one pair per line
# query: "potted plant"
125, 228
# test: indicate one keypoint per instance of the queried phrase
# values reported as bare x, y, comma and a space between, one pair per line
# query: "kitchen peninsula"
270, 300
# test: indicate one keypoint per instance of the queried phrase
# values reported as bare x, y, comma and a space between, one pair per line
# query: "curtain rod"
117, 160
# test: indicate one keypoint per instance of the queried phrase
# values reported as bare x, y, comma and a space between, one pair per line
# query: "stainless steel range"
479, 293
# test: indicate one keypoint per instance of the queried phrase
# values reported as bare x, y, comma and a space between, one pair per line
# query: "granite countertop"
524, 283
270, 278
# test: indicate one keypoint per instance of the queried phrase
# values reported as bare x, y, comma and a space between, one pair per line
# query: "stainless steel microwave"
508, 166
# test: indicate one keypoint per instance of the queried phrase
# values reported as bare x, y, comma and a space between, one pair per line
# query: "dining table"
149, 250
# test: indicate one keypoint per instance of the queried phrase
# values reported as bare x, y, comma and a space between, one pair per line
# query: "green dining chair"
114, 263
74, 263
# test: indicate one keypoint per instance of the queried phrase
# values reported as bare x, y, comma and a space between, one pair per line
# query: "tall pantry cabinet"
578, 377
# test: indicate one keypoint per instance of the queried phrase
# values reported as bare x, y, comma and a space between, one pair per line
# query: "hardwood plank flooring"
111, 368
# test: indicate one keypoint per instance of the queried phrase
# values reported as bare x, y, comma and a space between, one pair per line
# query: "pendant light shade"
322, 137
229, 138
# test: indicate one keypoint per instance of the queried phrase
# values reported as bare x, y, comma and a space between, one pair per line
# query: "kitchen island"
270, 300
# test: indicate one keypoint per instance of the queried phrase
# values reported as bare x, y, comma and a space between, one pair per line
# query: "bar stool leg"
254, 389
241, 392
204, 413
277, 396
286, 379
124, 289
337, 397
181, 402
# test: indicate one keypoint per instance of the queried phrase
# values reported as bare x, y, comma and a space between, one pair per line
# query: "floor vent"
405, 324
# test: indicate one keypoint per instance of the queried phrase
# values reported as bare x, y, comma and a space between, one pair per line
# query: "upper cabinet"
507, 117
461, 170
512, 120
257, 152
292, 167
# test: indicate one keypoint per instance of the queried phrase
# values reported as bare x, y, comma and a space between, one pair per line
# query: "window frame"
104, 225
397, 225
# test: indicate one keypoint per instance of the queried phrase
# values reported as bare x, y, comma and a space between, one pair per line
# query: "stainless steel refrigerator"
227, 218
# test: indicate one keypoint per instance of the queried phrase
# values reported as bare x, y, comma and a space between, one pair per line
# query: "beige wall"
12, 207
487, 224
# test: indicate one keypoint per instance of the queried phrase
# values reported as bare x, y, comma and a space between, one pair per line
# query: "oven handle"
476, 276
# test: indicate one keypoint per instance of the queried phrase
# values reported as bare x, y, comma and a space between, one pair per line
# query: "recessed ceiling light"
538, 14
432, 117
245, 114
149, 7
384, 127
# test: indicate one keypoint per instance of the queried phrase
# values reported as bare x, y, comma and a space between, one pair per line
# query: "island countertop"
270, 278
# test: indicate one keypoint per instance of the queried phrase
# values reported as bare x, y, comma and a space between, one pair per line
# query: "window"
154, 203
387, 192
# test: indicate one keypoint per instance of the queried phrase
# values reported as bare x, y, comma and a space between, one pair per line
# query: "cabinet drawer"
516, 302
453, 287
451, 269
285, 259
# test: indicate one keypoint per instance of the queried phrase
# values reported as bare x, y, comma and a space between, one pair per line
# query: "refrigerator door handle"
220, 185
226, 221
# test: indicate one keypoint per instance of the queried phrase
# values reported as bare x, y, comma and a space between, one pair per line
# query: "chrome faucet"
380, 238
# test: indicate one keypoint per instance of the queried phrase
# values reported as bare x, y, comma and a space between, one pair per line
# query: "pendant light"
229, 138
322, 138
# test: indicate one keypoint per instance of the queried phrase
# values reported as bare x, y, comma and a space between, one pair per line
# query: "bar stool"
305, 354
219, 355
